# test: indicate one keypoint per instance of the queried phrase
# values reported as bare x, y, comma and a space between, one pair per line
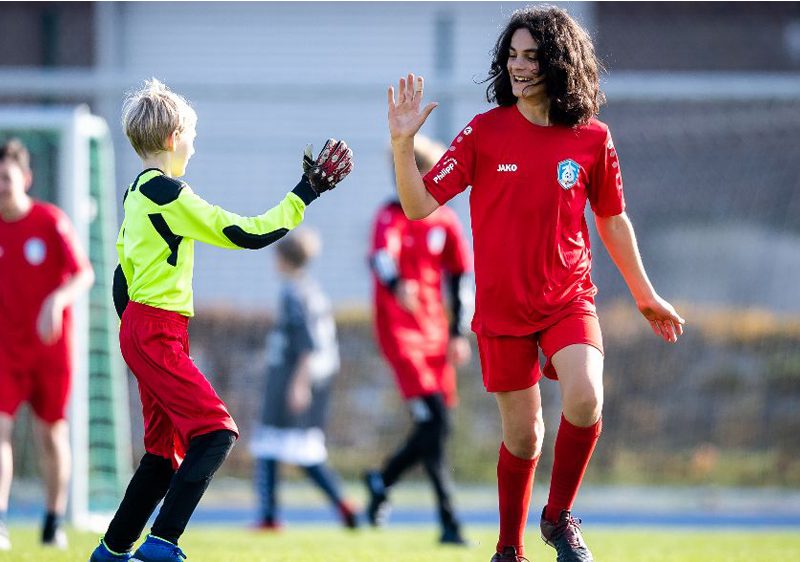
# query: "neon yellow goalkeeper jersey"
163, 218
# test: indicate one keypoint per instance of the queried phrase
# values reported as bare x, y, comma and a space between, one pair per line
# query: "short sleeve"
605, 182
457, 257
455, 170
297, 322
74, 257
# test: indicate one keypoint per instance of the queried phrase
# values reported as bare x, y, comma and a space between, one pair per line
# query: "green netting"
107, 474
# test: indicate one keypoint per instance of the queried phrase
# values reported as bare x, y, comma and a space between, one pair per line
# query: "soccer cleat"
58, 540
378, 504
565, 537
268, 525
155, 549
103, 554
452, 535
348, 516
5, 540
509, 554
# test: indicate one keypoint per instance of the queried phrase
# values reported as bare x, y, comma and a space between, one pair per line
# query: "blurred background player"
409, 260
533, 162
43, 270
302, 360
188, 430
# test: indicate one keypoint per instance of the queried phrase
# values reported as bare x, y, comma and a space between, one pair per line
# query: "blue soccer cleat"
103, 554
155, 549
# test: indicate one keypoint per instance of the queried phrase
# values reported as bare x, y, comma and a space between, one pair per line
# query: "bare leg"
55, 460
6, 460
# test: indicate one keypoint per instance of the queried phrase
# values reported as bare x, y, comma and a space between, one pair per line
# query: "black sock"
205, 455
147, 487
52, 522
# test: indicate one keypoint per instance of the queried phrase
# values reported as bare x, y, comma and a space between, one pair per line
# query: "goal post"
73, 165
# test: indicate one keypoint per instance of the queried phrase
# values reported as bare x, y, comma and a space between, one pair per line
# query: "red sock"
574, 448
514, 486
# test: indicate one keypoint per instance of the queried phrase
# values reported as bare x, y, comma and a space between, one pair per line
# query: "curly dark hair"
566, 59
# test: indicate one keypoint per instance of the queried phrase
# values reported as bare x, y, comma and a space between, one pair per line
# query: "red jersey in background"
421, 251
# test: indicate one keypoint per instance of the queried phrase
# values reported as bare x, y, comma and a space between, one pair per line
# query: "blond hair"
151, 114
299, 246
427, 152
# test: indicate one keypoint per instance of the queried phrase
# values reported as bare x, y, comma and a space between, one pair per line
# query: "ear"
172, 141
28, 180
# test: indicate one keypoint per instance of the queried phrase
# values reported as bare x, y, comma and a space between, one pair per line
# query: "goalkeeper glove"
334, 162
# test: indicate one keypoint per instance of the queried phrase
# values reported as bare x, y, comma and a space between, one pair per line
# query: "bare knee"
525, 442
584, 407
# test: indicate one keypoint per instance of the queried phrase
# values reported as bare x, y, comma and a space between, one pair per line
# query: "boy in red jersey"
43, 271
533, 162
188, 431
409, 260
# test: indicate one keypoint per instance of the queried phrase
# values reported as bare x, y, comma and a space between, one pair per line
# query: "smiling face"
523, 65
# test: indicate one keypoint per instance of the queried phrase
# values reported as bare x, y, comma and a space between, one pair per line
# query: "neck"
161, 161
536, 110
16, 208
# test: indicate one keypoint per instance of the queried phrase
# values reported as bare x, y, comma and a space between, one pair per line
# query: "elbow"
415, 212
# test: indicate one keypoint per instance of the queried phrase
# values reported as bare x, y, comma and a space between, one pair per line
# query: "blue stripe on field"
417, 516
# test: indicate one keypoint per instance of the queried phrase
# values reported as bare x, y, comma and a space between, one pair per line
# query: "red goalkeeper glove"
334, 162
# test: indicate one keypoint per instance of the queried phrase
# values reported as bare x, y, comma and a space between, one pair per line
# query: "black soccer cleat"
565, 536
452, 535
509, 554
378, 503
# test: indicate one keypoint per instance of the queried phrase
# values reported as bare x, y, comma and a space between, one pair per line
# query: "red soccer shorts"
512, 363
38, 374
178, 402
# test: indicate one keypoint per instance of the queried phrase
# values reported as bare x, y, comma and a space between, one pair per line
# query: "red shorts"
178, 402
512, 363
38, 374
420, 366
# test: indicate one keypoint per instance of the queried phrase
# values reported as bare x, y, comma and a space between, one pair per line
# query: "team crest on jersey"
34, 250
568, 173
436, 240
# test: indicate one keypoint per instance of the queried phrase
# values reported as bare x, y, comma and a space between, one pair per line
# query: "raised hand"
664, 320
334, 162
405, 117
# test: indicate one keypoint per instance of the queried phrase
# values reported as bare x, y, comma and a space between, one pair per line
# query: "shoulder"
595, 129
162, 190
47, 213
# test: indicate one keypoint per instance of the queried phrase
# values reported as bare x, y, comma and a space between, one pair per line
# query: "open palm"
405, 117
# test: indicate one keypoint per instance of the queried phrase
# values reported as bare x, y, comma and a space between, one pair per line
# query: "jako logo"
506, 167
447, 166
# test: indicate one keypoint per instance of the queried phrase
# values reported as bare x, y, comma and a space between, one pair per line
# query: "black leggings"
426, 444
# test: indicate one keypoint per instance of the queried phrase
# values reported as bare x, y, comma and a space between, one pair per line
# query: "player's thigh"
6, 427
580, 375
521, 416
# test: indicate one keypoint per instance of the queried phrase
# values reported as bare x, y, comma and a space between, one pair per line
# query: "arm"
458, 350
298, 395
617, 235
52, 311
405, 120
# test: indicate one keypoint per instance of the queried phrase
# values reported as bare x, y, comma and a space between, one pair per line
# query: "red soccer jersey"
530, 185
37, 254
422, 251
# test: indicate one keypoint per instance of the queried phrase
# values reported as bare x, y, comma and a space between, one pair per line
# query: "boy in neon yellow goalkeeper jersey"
188, 430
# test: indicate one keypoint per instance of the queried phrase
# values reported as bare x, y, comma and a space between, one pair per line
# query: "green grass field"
409, 544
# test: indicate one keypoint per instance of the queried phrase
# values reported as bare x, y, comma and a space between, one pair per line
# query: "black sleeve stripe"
243, 239
304, 191
119, 291
173, 240
162, 190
